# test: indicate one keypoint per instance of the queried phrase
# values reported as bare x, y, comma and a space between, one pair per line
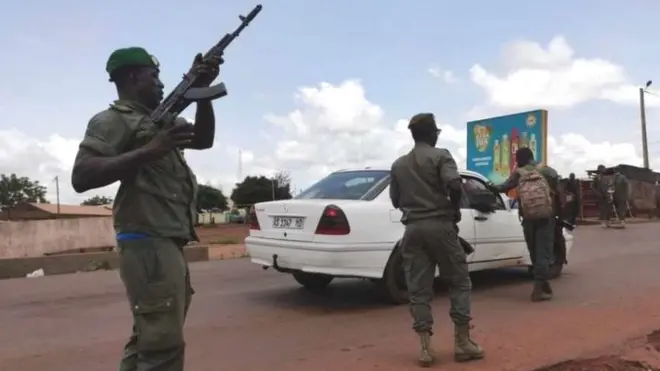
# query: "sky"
317, 86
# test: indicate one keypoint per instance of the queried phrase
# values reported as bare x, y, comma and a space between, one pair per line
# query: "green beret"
423, 121
133, 56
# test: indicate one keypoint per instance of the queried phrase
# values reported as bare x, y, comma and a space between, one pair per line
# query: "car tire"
312, 281
392, 287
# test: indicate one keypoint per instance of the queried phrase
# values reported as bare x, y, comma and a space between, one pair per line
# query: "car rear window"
344, 185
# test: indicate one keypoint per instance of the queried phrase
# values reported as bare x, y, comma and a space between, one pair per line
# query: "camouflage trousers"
157, 281
621, 207
426, 244
540, 239
604, 210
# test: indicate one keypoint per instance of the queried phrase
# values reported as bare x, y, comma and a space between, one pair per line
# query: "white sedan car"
345, 226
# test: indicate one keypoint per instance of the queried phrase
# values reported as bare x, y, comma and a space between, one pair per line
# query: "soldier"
426, 186
621, 196
539, 206
600, 187
155, 207
572, 191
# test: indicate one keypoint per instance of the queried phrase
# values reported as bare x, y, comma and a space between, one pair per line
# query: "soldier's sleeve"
553, 178
447, 166
106, 135
394, 189
509, 184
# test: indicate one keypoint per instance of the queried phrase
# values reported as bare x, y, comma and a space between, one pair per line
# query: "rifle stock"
464, 244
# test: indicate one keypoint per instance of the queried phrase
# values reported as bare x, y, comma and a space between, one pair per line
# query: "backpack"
534, 194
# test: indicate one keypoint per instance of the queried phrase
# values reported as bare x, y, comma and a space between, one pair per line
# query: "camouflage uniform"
154, 215
621, 196
600, 186
418, 187
539, 234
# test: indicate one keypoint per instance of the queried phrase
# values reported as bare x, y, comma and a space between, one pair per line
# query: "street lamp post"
642, 114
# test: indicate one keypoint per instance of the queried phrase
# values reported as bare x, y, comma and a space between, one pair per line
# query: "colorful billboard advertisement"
492, 143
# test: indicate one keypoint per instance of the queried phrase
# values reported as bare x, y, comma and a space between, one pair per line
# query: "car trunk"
292, 220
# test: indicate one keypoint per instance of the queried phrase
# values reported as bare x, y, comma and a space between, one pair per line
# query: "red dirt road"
247, 319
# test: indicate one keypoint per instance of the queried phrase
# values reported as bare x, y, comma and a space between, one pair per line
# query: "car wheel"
392, 286
312, 281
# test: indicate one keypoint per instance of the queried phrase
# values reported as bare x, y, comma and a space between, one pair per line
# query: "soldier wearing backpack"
536, 187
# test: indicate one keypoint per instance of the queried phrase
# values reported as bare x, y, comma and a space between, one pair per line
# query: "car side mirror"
483, 201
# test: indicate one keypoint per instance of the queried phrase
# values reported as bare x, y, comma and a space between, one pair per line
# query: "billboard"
492, 143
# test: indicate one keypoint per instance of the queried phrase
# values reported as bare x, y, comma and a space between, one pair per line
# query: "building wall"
38, 237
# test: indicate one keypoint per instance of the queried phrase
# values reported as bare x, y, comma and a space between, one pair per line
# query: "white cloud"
445, 75
312, 146
553, 77
335, 126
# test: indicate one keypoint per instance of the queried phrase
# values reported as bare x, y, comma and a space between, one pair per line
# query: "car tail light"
333, 222
253, 222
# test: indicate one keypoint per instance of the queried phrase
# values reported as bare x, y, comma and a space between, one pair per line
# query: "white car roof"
460, 171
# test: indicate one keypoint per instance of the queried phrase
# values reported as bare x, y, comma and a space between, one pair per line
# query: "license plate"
288, 222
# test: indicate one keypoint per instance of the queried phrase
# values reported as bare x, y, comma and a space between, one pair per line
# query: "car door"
499, 234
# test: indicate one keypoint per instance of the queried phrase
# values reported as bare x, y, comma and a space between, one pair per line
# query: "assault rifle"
464, 244
184, 94
564, 224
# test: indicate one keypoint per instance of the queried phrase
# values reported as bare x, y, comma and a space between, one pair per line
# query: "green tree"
255, 189
14, 189
97, 201
209, 198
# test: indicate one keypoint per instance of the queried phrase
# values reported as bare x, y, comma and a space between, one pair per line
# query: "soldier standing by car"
536, 188
426, 187
621, 196
600, 187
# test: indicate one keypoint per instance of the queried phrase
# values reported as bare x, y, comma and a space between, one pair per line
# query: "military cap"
423, 121
133, 56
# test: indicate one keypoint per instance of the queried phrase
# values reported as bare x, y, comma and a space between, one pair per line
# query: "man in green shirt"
155, 208
538, 206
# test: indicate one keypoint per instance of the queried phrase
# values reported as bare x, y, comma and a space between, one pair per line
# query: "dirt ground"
222, 234
604, 317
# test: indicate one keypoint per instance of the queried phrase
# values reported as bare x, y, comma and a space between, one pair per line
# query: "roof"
74, 209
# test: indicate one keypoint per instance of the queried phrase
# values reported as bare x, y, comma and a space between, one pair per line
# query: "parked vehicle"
235, 217
345, 226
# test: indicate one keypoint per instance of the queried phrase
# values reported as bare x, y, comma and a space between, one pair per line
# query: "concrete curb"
76, 262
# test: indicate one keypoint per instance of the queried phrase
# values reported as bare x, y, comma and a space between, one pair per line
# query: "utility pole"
273, 181
642, 115
57, 190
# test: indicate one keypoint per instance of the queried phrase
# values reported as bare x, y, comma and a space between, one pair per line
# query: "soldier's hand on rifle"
207, 70
178, 136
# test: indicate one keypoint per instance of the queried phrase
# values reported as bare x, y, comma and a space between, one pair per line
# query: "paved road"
244, 318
